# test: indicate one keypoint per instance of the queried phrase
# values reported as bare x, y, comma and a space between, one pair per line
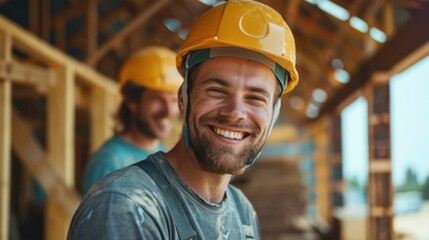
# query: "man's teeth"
229, 134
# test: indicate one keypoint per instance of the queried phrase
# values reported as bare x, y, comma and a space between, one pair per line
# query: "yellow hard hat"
247, 25
152, 67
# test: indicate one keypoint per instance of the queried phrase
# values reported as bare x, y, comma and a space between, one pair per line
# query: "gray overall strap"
183, 226
243, 216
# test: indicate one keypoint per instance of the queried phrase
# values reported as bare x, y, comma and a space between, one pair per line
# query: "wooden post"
92, 27
380, 188
45, 19
34, 16
5, 139
323, 201
336, 163
388, 20
102, 112
60, 145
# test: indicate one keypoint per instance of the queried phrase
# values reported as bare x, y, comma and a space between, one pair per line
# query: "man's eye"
215, 90
257, 99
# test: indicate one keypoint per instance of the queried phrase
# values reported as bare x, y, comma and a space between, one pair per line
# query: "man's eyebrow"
225, 83
259, 90
216, 80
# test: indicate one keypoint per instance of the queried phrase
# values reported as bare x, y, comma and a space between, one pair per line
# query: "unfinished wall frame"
53, 168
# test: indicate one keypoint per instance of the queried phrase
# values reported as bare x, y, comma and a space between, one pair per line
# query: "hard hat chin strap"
185, 105
273, 120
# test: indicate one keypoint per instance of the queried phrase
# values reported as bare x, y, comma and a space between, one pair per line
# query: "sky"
409, 92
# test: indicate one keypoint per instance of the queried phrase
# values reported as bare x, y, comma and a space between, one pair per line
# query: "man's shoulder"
128, 181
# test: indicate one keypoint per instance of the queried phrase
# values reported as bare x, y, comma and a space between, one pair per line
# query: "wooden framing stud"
5, 136
102, 111
61, 144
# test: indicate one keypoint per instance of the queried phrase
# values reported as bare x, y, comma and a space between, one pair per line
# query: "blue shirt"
127, 204
114, 154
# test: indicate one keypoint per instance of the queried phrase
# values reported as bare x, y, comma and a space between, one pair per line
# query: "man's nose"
234, 109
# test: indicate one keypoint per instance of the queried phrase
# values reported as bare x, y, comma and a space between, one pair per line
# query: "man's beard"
143, 126
222, 158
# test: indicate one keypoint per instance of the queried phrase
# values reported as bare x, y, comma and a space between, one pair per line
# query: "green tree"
411, 177
425, 189
411, 183
354, 183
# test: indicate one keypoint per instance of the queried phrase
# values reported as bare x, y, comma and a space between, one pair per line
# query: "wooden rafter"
343, 27
91, 27
291, 12
397, 48
388, 20
133, 26
120, 14
73, 11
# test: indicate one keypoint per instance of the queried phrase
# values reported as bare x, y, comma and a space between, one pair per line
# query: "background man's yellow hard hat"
152, 67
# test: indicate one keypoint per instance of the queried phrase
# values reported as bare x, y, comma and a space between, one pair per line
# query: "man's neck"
136, 138
208, 185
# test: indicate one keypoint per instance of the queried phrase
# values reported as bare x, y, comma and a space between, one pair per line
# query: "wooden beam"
45, 19
322, 174
412, 36
370, 45
372, 10
92, 27
38, 164
336, 162
119, 14
104, 25
61, 144
343, 27
380, 187
132, 27
291, 12
102, 112
60, 35
61, 122
388, 20
27, 73
34, 16
5, 138
70, 12
53, 57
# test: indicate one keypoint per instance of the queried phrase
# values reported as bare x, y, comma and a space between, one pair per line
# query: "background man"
149, 82
238, 59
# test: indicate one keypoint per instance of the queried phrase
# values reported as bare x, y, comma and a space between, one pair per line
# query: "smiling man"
149, 82
237, 61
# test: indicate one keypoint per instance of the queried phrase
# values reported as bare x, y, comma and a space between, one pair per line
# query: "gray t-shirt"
127, 204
